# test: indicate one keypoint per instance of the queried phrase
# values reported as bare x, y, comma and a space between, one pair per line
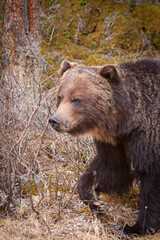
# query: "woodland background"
39, 168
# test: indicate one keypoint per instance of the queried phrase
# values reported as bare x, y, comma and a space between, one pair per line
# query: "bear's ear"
109, 72
65, 66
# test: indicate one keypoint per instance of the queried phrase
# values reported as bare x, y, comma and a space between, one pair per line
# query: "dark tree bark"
33, 18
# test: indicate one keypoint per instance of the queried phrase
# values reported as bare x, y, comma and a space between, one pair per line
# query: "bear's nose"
55, 122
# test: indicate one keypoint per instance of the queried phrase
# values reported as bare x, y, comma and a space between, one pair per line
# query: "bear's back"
142, 79
146, 70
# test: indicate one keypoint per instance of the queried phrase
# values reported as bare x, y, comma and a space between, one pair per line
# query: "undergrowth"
44, 203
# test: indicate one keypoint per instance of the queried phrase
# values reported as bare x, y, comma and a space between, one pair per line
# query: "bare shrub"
38, 167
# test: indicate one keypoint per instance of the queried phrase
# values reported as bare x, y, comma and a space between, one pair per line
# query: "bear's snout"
54, 122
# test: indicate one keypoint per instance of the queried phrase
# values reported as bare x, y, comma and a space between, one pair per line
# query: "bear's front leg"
88, 192
108, 172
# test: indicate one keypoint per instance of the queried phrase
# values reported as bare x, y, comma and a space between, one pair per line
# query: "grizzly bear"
119, 105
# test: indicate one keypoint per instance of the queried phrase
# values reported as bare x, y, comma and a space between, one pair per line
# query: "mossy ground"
97, 32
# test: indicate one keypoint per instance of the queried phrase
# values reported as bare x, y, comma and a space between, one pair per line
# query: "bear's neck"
103, 136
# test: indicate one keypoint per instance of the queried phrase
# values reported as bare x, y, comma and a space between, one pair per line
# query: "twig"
144, 220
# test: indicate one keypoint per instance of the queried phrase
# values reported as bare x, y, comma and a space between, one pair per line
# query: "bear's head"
85, 102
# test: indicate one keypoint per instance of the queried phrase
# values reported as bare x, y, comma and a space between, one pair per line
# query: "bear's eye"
58, 100
75, 100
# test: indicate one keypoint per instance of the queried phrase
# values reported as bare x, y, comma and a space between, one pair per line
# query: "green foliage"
83, 2
131, 6
93, 43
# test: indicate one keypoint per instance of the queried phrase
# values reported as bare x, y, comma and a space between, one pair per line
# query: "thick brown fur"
119, 105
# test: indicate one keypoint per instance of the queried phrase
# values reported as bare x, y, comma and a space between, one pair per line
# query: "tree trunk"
21, 61
20, 90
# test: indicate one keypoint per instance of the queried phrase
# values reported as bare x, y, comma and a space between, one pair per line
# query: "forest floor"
91, 33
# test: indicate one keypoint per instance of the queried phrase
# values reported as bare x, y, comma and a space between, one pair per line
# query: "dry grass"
39, 170
72, 224
58, 213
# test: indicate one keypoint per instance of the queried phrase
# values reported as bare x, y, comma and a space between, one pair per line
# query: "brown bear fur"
119, 105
